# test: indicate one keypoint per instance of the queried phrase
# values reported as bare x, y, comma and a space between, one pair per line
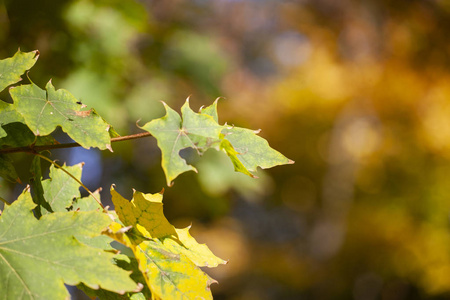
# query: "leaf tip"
290, 162
49, 86
217, 100
36, 54
108, 146
211, 281
139, 287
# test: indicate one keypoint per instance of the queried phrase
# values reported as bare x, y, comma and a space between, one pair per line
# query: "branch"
33, 148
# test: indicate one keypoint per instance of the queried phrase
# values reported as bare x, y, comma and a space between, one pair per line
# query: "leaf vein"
17, 275
37, 235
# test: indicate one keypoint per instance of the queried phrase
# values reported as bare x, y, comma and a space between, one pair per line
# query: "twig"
34, 149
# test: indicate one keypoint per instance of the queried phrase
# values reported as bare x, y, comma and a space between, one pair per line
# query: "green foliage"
38, 256
201, 132
12, 68
51, 235
61, 189
174, 133
43, 111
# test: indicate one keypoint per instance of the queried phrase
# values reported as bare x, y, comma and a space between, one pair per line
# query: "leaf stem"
34, 149
73, 177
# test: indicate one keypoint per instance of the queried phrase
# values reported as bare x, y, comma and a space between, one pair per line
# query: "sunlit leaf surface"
38, 256
201, 131
170, 263
11, 68
44, 110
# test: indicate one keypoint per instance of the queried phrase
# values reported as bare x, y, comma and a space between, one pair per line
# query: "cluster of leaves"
51, 236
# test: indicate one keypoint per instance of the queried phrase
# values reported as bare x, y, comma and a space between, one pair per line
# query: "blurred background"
356, 92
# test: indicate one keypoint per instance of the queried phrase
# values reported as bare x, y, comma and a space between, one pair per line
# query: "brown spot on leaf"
83, 114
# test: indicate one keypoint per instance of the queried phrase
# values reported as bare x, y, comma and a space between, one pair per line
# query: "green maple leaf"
11, 68
169, 258
201, 131
10, 71
44, 110
245, 148
248, 150
8, 114
87, 203
129, 264
174, 133
38, 256
60, 189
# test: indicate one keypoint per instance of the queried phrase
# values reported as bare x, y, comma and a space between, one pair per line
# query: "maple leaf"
11, 68
169, 258
38, 256
86, 203
168, 275
60, 189
127, 263
201, 131
44, 110
245, 148
144, 211
10, 71
172, 276
199, 254
8, 114
174, 133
